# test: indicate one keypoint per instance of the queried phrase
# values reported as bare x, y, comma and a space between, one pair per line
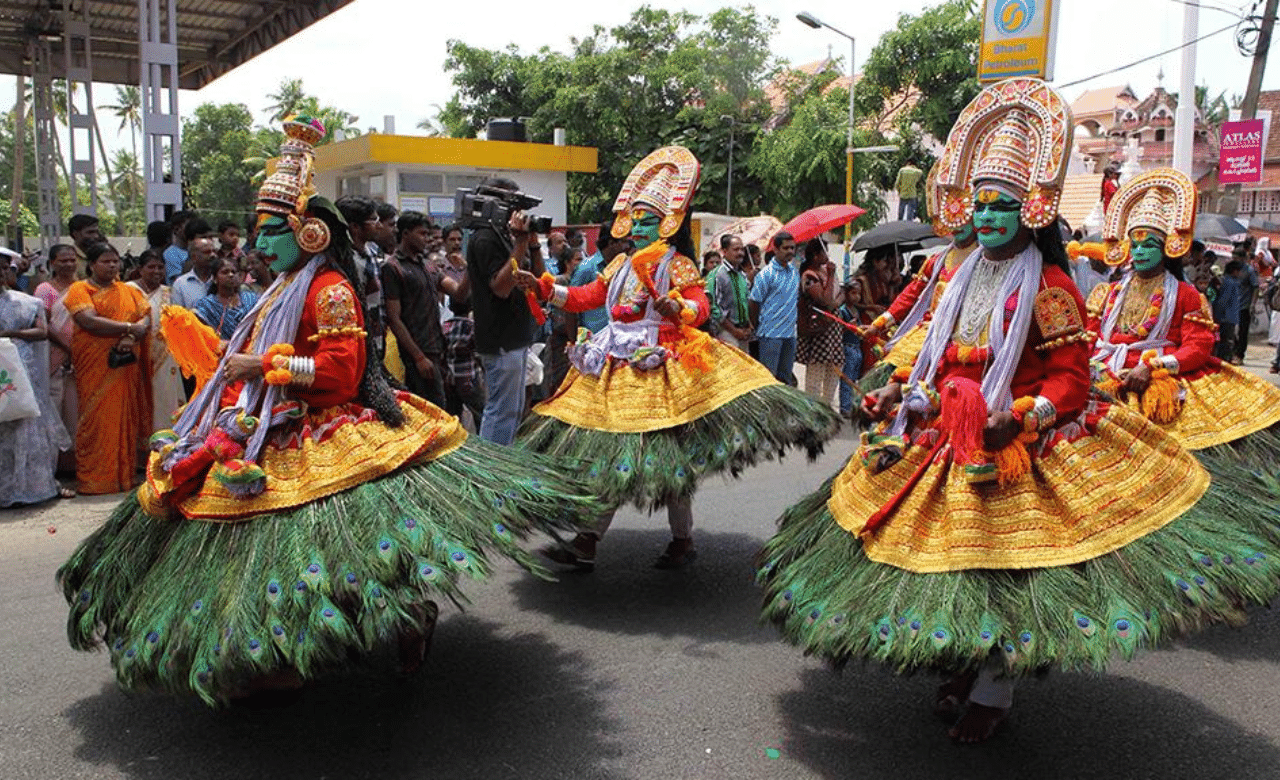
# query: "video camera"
492, 206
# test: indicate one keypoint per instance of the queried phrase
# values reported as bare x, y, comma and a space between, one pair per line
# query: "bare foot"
977, 724
948, 703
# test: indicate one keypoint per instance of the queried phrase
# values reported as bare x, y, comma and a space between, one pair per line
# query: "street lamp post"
816, 23
728, 189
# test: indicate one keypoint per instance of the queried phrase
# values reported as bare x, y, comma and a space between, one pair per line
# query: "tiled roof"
1079, 194
1270, 101
1097, 101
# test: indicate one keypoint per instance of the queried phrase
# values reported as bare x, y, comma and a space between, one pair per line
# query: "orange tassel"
1013, 462
1160, 402
194, 345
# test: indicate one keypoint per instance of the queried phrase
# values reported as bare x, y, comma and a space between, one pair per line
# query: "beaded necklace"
1150, 291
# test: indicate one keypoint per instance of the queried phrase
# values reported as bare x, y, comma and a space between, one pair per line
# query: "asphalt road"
625, 673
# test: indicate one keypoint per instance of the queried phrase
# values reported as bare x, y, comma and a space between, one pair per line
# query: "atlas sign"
1240, 155
1019, 38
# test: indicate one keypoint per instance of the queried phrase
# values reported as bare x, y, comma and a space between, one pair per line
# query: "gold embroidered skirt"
1083, 498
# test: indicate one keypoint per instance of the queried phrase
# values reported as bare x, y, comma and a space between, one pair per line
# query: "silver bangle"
1046, 413
559, 295
303, 371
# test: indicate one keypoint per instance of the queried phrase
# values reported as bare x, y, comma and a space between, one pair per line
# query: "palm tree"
128, 110
289, 99
127, 181
433, 124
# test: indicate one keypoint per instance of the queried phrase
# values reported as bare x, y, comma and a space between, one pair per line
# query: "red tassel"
964, 415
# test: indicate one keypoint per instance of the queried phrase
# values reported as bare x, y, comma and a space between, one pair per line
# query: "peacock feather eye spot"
815, 614
314, 568
1251, 560
985, 636
1122, 625
939, 634
883, 632
426, 571
499, 528
1082, 622
1182, 584
511, 494
915, 625
1206, 560
384, 545
1228, 560
680, 472
410, 523
1200, 580
199, 605
84, 597
327, 612
1024, 637
351, 577
301, 586
624, 468
376, 593
302, 637
787, 595
1008, 647
130, 653
458, 555
278, 630
119, 643
217, 649
254, 644
902, 621
838, 619
273, 589
153, 637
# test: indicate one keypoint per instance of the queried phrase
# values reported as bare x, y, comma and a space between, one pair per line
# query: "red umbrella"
820, 219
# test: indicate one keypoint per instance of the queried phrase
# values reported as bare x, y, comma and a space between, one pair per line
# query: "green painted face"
644, 228
964, 235
1147, 253
996, 219
278, 245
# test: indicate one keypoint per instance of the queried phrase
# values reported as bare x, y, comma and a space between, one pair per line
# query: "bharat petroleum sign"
1018, 39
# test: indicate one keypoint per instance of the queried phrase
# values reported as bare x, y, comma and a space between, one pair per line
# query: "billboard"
1019, 38
1240, 155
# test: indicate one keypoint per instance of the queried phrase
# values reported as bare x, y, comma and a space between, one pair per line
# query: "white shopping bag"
17, 399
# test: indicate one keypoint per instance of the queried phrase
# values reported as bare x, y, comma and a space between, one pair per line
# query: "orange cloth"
115, 403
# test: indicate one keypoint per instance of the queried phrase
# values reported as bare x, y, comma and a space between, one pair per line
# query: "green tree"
216, 140
662, 77
803, 163
287, 100
924, 69
27, 221
128, 109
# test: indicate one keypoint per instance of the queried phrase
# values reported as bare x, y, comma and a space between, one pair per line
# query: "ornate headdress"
933, 201
1015, 136
664, 181
1163, 201
289, 188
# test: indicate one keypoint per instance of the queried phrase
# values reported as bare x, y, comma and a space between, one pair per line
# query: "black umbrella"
902, 232
1218, 226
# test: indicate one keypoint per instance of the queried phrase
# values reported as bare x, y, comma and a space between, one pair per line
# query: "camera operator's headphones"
663, 181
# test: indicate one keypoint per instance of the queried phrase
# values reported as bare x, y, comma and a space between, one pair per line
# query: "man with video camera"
504, 324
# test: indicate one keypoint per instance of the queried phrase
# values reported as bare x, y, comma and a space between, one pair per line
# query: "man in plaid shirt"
464, 378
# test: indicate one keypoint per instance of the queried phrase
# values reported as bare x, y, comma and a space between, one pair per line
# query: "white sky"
378, 57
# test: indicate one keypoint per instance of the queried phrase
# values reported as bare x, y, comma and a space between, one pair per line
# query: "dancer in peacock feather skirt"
653, 404
299, 513
1004, 518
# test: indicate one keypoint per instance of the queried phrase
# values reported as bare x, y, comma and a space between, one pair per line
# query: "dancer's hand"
668, 307
1138, 379
878, 403
1001, 429
242, 367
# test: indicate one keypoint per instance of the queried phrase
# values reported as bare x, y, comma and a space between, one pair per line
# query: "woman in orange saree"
110, 356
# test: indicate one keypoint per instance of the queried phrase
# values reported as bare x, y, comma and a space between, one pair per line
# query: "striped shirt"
777, 289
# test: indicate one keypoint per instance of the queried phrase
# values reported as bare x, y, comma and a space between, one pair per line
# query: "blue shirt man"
607, 248
772, 308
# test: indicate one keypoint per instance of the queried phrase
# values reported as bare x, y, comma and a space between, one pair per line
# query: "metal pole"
848, 169
1229, 203
728, 190
1184, 132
